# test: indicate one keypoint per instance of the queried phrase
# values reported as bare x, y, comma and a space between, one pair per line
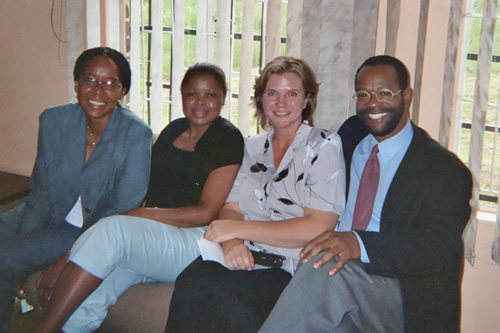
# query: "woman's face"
283, 100
202, 100
99, 88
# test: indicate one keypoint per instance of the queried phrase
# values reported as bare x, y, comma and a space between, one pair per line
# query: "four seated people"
358, 231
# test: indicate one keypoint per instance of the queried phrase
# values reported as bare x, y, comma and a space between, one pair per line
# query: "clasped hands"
236, 253
343, 245
219, 231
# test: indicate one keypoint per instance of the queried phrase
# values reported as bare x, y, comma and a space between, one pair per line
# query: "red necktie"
366, 193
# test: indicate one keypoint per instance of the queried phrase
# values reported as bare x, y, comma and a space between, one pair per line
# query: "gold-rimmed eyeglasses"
382, 95
106, 84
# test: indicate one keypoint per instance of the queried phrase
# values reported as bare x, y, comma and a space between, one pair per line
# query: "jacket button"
88, 210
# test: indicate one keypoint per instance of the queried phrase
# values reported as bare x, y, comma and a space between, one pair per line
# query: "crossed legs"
350, 301
110, 257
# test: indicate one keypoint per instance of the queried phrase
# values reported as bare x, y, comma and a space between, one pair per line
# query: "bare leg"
73, 286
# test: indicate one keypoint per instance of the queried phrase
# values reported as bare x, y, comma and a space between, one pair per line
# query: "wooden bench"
14, 190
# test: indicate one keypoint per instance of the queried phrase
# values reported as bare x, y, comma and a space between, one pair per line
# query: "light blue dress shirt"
390, 155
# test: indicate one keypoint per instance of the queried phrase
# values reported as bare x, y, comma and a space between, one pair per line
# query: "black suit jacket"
420, 239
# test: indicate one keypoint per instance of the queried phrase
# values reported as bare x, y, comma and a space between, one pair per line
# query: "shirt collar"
300, 136
390, 147
299, 141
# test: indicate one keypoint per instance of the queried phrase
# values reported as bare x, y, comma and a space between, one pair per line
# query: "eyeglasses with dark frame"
106, 84
382, 95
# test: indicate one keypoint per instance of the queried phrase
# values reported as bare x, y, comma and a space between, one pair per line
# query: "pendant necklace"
91, 136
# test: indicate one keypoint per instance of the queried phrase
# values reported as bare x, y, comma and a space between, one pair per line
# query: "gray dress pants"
350, 301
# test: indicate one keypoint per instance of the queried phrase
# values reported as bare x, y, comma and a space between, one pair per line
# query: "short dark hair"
402, 72
281, 65
205, 68
118, 58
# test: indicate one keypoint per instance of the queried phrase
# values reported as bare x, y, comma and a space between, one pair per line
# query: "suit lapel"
402, 196
74, 146
68, 156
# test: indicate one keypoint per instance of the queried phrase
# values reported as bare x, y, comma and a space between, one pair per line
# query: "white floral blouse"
310, 175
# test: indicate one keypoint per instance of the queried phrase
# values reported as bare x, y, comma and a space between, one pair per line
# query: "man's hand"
222, 230
343, 245
47, 280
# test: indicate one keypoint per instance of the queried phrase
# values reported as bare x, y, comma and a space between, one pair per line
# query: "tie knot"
374, 151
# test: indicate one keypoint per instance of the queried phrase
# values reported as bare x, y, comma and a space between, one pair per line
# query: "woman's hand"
222, 230
237, 255
47, 280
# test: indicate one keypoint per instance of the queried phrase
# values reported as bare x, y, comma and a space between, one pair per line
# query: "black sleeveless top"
178, 176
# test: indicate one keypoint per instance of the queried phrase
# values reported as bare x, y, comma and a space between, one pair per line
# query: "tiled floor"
481, 286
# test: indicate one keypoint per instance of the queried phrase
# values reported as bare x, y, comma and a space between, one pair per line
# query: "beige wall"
33, 74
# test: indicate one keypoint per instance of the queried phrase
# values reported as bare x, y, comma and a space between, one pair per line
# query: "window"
478, 100
164, 37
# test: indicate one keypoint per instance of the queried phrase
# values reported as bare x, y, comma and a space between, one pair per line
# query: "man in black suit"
403, 271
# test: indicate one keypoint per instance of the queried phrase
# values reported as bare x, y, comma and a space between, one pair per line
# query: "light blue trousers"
124, 251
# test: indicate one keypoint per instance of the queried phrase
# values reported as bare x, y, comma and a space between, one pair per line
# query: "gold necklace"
90, 136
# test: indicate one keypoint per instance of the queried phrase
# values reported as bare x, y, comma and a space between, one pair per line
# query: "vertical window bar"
93, 17
245, 86
201, 32
156, 65
223, 47
177, 70
210, 29
135, 11
113, 24
273, 30
450, 69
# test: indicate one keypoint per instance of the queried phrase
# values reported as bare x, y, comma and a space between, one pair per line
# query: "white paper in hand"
211, 251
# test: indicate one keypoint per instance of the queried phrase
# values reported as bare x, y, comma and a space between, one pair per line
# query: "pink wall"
33, 74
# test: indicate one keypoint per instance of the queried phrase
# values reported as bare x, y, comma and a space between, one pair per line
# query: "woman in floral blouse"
289, 189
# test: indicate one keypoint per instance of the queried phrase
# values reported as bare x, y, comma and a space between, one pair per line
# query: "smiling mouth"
96, 103
200, 113
376, 116
282, 113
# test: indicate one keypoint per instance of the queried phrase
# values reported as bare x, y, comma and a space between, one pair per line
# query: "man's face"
383, 119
